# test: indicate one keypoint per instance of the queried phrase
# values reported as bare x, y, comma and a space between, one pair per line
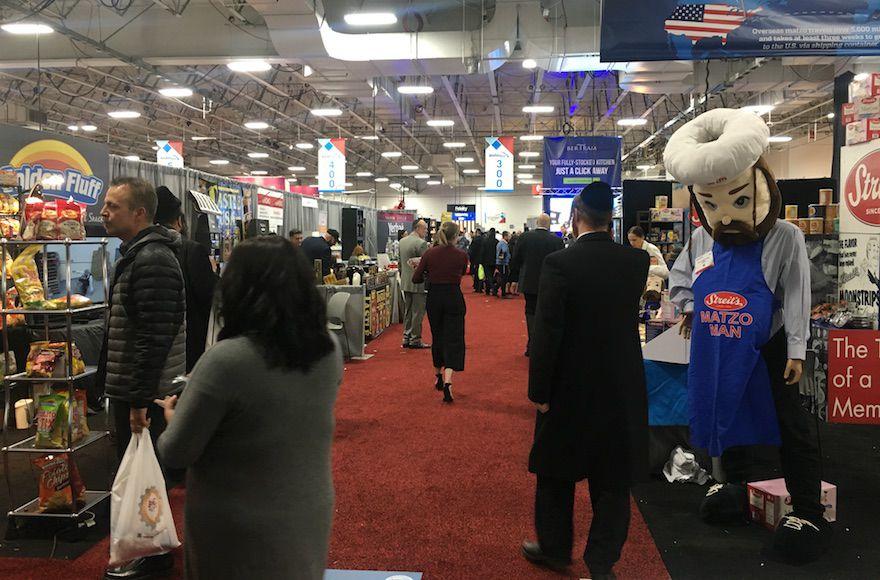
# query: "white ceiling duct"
657, 78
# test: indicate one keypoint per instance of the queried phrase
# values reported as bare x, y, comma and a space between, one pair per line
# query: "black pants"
475, 272
531, 307
489, 282
502, 278
446, 310
799, 453
554, 506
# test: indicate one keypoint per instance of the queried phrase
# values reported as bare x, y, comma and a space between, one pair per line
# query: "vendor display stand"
665, 228
68, 381
378, 305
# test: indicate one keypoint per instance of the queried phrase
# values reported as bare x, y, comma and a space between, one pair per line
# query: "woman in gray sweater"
255, 425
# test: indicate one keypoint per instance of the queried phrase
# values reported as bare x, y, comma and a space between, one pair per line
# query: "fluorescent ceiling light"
858, 77
381, 180
296, 168
758, 109
258, 155
132, 157
530, 181
454, 144
256, 125
527, 166
200, 138
470, 171
177, 92
370, 19
524, 176
830, 115
415, 89
219, 162
531, 137
779, 138
27, 28
529, 63
391, 154
464, 159
538, 109
637, 122
349, 184
434, 182
363, 174
644, 167
529, 154
259, 172
124, 114
249, 65
88, 128
73, 128
305, 145
369, 137
154, 148
394, 185
410, 167
440, 123
422, 176
481, 188
326, 112
307, 71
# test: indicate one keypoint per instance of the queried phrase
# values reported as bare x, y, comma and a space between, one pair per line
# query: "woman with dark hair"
443, 265
255, 424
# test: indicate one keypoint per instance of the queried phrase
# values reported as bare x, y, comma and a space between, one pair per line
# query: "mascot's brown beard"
736, 233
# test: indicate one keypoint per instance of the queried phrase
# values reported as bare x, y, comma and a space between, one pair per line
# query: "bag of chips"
52, 421
47, 228
8, 204
48, 359
26, 278
61, 487
70, 220
76, 301
33, 213
79, 409
11, 303
9, 227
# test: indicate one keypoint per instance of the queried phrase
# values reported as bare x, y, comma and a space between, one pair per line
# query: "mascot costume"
744, 284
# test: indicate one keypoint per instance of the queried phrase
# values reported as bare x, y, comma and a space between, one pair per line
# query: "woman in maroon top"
443, 266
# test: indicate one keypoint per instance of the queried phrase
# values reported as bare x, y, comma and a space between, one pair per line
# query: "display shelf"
64, 242
27, 445
30, 509
64, 311
23, 378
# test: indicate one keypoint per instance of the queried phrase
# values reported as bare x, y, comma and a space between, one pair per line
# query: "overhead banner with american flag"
634, 30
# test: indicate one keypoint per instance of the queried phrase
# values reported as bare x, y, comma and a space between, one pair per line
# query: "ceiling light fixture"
440, 123
176, 92
200, 138
538, 109
327, 112
369, 137
257, 125
363, 174
305, 145
527, 166
132, 158
73, 128
524, 175
454, 144
415, 89
779, 138
370, 19
296, 168
154, 148
259, 172
410, 167
381, 180
830, 115
219, 162
470, 171
531, 137
258, 155
636, 122
644, 167
464, 159
422, 176
27, 28
391, 154
530, 181
124, 114
88, 128
758, 109
249, 65
529, 154
349, 184
529, 63
433, 182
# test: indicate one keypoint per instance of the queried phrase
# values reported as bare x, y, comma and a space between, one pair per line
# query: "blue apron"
729, 392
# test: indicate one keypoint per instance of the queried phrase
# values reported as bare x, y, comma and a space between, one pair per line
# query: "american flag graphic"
699, 21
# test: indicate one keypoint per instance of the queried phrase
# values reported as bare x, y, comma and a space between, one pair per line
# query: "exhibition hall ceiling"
422, 82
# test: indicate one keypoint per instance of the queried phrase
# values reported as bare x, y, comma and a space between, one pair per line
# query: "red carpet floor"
428, 487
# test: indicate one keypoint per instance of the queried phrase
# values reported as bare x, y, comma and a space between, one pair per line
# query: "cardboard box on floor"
770, 502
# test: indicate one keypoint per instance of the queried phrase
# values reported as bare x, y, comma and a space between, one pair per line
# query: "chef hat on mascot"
718, 155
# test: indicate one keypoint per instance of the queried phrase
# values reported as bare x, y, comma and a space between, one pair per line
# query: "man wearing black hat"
318, 248
587, 381
198, 276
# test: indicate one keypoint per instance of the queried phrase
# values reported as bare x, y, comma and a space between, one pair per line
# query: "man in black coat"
475, 253
528, 260
487, 259
199, 276
587, 380
318, 248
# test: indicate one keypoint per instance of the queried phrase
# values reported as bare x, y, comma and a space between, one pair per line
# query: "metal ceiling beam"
467, 127
493, 91
536, 96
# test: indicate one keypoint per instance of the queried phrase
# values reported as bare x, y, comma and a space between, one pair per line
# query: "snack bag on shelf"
26, 278
33, 212
48, 359
61, 487
70, 220
52, 421
8, 204
12, 302
76, 301
9, 227
13, 366
79, 409
47, 229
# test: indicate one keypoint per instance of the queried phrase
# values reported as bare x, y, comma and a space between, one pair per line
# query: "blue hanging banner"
634, 30
578, 161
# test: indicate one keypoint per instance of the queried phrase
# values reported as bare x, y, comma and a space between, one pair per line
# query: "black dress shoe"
439, 384
532, 552
419, 345
142, 568
447, 393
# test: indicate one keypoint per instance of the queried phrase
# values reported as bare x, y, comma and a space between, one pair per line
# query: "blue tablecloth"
667, 393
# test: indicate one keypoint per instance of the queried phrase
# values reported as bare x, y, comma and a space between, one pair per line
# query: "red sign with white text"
725, 301
853, 367
861, 190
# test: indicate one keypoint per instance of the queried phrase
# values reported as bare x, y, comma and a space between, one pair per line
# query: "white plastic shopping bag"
140, 515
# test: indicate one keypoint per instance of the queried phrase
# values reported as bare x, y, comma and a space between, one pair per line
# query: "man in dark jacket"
199, 276
146, 334
488, 257
587, 380
318, 248
528, 259
475, 253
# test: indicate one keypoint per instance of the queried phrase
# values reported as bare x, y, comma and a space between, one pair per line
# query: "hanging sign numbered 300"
499, 164
331, 165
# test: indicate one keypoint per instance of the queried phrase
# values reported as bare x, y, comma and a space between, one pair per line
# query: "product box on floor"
770, 502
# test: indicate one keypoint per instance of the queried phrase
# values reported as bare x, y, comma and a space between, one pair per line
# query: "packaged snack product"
47, 227
76, 301
51, 422
79, 410
12, 302
70, 220
8, 204
47, 359
26, 278
9, 227
61, 487
33, 212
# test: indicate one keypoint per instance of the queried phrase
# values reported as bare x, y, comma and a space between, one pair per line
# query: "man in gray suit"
412, 247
